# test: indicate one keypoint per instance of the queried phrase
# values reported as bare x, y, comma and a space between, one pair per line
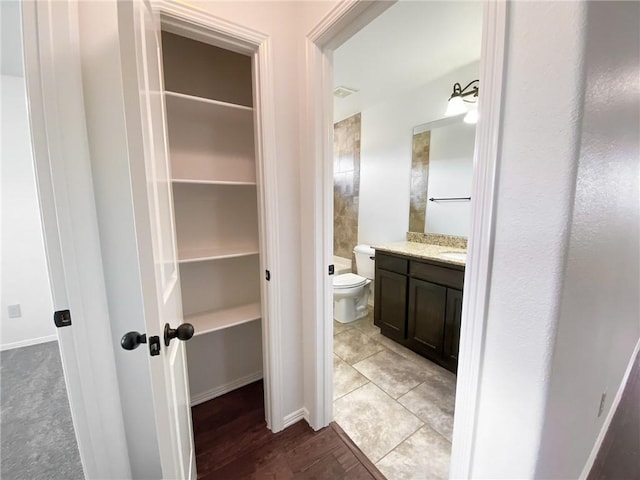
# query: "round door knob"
183, 332
132, 340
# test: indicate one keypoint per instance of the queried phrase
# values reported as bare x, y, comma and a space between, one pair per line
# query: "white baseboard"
607, 422
27, 343
295, 417
226, 388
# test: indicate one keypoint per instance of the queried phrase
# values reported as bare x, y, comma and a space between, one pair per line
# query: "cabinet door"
390, 306
452, 328
427, 303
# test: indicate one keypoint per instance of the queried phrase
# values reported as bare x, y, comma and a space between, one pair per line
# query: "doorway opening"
342, 23
216, 185
402, 171
37, 437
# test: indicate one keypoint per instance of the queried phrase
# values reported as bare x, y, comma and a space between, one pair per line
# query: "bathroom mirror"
441, 170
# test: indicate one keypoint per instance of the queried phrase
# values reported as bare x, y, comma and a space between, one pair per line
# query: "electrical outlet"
602, 400
14, 311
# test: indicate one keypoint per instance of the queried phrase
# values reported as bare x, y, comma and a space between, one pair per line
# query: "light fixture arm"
470, 89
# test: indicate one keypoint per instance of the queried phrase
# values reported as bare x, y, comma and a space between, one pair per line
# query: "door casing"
70, 226
342, 22
188, 21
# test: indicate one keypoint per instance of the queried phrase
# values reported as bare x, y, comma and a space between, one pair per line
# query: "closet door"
143, 89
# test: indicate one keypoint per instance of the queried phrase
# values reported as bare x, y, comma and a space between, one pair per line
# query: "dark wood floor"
619, 455
233, 442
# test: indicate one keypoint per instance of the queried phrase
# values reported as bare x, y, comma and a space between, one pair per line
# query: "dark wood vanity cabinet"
452, 328
426, 318
392, 288
418, 303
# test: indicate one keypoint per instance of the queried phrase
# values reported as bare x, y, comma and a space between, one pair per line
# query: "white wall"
538, 151
450, 171
220, 361
599, 321
385, 156
563, 307
25, 278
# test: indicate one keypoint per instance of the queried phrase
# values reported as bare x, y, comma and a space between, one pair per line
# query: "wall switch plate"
602, 400
14, 311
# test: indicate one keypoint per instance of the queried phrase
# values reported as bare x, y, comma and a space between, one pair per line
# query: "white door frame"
339, 24
70, 225
70, 221
200, 25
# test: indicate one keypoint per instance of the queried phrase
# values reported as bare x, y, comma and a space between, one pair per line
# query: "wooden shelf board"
207, 100
213, 182
214, 320
218, 253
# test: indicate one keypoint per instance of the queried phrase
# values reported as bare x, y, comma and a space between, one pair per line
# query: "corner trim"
295, 416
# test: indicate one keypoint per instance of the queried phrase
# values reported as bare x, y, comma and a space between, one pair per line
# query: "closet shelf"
207, 100
212, 182
216, 253
214, 320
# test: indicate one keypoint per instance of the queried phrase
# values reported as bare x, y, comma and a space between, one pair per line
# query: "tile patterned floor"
395, 405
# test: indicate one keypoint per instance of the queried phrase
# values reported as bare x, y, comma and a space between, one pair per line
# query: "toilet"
350, 290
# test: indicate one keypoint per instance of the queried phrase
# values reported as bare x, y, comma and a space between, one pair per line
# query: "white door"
162, 295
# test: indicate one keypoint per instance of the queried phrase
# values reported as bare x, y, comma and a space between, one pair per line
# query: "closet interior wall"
210, 124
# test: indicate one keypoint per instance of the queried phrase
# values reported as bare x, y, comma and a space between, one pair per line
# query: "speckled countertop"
422, 250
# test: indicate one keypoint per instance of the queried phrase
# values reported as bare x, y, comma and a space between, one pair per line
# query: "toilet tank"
365, 264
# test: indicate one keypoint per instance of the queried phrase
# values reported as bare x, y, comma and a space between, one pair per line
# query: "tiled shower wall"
419, 178
346, 185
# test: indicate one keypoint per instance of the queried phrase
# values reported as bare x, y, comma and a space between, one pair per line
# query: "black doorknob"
132, 340
183, 332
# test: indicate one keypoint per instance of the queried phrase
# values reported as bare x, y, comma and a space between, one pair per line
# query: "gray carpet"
37, 440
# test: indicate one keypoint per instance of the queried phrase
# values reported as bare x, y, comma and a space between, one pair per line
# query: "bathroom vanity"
418, 298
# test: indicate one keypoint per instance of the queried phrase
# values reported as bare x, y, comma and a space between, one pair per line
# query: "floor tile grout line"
413, 362
397, 445
371, 355
438, 433
422, 424
394, 400
387, 393
351, 391
426, 423
393, 449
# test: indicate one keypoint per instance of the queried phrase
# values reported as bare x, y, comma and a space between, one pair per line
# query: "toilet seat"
348, 280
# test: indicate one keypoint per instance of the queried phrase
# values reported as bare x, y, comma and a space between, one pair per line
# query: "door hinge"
332, 269
267, 275
62, 318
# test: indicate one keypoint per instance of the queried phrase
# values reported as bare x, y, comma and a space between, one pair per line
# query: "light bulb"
455, 106
471, 117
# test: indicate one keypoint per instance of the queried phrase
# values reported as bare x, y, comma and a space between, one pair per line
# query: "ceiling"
11, 40
410, 44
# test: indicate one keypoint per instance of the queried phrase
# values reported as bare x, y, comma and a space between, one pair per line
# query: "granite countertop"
422, 250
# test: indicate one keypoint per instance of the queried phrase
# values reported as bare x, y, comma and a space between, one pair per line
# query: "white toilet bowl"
350, 297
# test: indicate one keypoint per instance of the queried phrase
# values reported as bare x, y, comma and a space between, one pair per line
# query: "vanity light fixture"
460, 96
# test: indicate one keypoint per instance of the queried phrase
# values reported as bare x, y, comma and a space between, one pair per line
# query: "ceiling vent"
343, 92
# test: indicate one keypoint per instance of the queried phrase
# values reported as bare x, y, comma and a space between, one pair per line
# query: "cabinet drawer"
391, 263
441, 275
